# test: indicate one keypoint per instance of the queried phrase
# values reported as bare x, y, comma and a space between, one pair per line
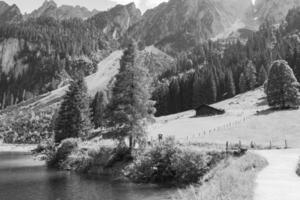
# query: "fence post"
270, 144
252, 145
285, 144
227, 147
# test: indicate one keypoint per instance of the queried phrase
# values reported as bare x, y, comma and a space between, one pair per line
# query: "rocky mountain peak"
49, 4
50, 9
9, 14
195, 20
116, 21
274, 10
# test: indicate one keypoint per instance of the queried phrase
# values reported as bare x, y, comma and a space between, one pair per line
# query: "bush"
78, 160
167, 163
58, 155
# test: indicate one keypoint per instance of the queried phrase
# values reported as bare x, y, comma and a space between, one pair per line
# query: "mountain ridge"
50, 9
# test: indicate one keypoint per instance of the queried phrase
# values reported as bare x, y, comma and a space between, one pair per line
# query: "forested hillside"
40, 54
215, 71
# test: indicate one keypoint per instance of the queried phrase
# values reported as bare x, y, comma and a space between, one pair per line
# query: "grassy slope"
232, 179
240, 123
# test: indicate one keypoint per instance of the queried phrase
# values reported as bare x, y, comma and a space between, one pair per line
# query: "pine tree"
161, 96
98, 109
73, 119
230, 86
263, 76
186, 91
211, 90
131, 107
250, 76
282, 91
198, 95
242, 83
175, 100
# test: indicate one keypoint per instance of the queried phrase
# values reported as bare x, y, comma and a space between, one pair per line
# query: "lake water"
23, 178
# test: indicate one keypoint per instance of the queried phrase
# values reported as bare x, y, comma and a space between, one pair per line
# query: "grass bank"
232, 179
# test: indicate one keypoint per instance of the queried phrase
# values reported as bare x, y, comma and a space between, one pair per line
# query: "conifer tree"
175, 100
98, 109
210, 90
131, 107
186, 88
263, 76
230, 86
282, 89
250, 76
161, 96
73, 119
198, 95
242, 83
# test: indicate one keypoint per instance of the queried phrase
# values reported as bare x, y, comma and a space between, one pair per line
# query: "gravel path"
278, 181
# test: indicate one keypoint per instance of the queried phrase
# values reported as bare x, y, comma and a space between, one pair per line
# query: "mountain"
42, 41
274, 10
182, 22
50, 9
9, 14
116, 21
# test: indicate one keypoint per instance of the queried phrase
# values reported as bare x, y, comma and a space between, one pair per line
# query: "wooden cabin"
206, 110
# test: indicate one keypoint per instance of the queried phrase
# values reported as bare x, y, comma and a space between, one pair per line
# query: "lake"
24, 178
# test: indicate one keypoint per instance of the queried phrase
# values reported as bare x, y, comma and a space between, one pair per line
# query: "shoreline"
17, 148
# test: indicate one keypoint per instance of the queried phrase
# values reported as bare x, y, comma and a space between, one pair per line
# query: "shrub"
167, 163
78, 160
58, 155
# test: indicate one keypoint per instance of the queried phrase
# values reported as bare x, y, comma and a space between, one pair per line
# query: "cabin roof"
210, 107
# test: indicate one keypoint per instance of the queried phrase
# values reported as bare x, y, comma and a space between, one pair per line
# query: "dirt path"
278, 181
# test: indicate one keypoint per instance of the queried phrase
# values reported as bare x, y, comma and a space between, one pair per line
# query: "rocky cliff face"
116, 21
9, 14
196, 19
274, 10
50, 9
10, 62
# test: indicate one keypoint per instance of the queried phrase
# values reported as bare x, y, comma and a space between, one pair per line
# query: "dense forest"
54, 51
214, 71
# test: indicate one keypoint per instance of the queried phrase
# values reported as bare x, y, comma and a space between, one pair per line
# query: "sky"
30, 5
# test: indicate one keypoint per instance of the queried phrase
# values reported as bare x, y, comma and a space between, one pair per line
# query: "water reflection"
23, 178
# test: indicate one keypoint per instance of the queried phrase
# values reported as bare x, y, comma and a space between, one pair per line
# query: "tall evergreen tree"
242, 83
186, 88
175, 100
198, 95
211, 90
161, 96
282, 89
73, 119
130, 106
262, 76
98, 109
230, 86
250, 76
